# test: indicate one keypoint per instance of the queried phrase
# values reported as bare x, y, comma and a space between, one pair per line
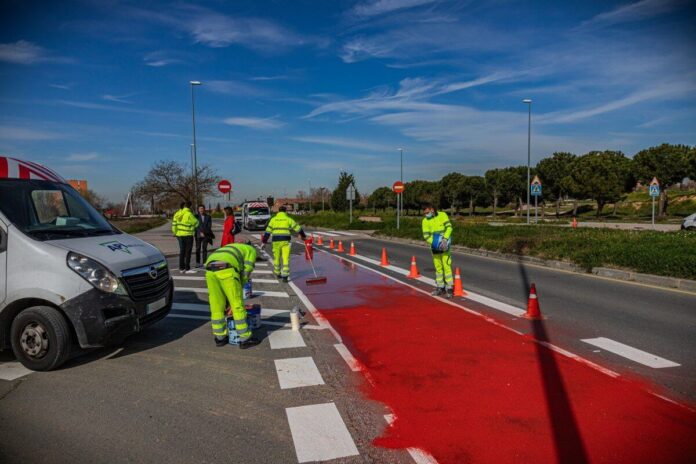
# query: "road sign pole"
398, 209
536, 210
653, 212
350, 218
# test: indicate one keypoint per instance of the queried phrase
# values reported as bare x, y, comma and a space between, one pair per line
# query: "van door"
3, 261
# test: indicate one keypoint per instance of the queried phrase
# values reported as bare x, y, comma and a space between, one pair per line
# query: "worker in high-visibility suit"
437, 230
280, 229
184, 224
227, 270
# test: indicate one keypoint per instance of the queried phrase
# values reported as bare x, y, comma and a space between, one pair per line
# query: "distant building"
289, 203
80, 185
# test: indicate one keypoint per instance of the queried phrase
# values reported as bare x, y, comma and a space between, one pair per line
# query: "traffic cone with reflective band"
458, 289
385, 260
352, 249
340, 247
320, 241
331, 244
414, 274
533, 310
575, 223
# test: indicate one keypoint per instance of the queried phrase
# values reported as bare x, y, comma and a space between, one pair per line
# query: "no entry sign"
398, 187
224, 186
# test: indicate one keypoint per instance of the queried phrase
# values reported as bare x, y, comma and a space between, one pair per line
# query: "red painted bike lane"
466, 390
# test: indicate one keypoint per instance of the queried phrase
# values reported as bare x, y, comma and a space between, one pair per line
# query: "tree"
600, 175
494, 184
338, 197
552, 172
474, 188
691, 163
513, 185
418, 193
169, 183
452, 187
382, 197
666, 162
94, 199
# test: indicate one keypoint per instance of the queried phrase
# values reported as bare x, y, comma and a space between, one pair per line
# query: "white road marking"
328, 234
256, 293
418, 455
319, 433
262, 264
348, 357
297, 372
280, 339
261, 272
265, 281
12, 370
183, 277
634, 354
342, 232
321, 320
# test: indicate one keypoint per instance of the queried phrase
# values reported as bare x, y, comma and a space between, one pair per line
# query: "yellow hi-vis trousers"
281, 251
443, 269
224, 287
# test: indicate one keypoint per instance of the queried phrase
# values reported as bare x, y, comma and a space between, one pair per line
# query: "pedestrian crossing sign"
654, 188
535, 187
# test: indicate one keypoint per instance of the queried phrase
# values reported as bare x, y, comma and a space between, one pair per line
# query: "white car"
67, 276
689, 222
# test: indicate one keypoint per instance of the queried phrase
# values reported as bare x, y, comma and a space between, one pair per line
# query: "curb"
616, 274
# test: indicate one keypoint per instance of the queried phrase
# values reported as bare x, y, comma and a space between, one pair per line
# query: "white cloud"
83, 156
638, 11
60, 86
237, 88
344, 143
161, 58
378, 7
21, 133
254, 123
118, 99
24, 52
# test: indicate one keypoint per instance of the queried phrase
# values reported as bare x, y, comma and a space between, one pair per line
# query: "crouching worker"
227, 270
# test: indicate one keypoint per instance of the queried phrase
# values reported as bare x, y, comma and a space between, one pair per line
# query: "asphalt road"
659, 321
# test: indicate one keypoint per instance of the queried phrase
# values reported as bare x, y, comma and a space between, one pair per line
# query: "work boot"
278, 276
222, 341
285, 279
450, 293
439, 291
253, 341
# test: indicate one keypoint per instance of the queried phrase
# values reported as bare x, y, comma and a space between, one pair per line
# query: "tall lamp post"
400, 197
528, 101
195, 157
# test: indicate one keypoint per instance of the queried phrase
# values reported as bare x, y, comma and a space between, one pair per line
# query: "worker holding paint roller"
280, 229
227, 270
437, 230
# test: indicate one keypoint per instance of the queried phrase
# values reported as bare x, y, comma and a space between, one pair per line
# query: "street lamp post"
528, 101
400, 197
195, 157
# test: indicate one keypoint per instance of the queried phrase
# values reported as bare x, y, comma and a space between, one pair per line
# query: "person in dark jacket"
204, 235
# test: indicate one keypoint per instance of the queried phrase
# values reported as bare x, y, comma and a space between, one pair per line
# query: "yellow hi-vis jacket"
238, 255
280, 228
184, 223
438, 224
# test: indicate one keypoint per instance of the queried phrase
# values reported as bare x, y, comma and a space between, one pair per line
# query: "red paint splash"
465, 390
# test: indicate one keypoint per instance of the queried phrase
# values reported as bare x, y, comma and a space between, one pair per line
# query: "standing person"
230, 227
437, 230
280, 229
227, 270
204, 235
184, 226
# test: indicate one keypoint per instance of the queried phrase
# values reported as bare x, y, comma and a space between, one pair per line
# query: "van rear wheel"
41, 338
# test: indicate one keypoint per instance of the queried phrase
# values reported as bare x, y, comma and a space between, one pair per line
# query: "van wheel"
40, 338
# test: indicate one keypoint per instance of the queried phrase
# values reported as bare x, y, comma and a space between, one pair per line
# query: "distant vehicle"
255, 215
67, 276
689, 222
238, 218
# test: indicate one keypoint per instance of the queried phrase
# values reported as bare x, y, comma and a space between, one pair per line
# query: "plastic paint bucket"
254, 316
247, 290
232, 330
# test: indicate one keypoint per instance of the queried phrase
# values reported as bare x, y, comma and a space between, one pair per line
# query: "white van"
255, 215
67, 275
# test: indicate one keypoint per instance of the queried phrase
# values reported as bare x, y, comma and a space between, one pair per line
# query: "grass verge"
135, 225
670, 254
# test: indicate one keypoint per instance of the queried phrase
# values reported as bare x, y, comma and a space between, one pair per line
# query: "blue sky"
295, 91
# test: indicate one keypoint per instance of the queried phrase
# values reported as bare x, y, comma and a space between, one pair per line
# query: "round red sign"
224, 186
398, 187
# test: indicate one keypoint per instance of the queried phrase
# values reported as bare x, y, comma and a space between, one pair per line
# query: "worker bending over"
280, 229
227, 270
437, 230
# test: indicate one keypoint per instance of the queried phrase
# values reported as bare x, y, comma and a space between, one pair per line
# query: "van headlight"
95, 274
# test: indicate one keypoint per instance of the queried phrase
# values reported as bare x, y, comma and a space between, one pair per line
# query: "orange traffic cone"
575, 223
352, 249
331, 244
340, 247
533, 310
458, 289
320, 241
385, 260
414, 274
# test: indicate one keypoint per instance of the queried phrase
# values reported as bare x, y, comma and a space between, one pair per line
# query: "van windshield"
50, 210
258, 211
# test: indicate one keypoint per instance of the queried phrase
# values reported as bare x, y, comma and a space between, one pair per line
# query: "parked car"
689, 222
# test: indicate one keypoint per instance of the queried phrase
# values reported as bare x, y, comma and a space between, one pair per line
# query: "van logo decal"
116, 246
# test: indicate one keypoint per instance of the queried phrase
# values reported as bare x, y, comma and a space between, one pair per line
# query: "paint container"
232, 330
253, 316
247, 290
295, 319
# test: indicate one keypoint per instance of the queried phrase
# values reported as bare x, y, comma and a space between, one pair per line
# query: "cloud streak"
638, 11
379, 7
254, 123
24, 52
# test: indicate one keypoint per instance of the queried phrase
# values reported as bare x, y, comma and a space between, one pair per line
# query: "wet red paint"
466, 390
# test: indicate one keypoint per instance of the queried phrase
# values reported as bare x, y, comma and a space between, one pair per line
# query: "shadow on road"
566, 434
